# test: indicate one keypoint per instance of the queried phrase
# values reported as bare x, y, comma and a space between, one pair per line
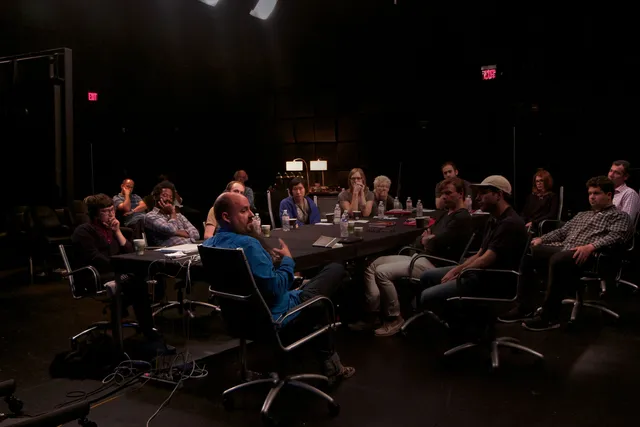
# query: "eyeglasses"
356, 178
107, 211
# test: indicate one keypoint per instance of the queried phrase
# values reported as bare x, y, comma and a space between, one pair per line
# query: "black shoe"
540, 323
516, 314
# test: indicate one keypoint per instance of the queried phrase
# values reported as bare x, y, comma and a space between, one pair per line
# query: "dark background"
198, 92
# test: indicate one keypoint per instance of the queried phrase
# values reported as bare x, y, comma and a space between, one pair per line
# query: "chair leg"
598, 306
576, 307
74, 339
495, 354
202, 304
268, 401
503, 343
626, 282
313, 390
226, 394
460, 348
166, 306
410, 320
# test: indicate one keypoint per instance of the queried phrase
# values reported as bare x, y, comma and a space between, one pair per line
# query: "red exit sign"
93, 96
489, 72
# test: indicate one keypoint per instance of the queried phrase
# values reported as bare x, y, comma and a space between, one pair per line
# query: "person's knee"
388, 273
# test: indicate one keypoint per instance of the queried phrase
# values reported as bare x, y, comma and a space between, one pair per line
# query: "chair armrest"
315, 300
410, 248
96, 276
304, 305
429, 257
468, 271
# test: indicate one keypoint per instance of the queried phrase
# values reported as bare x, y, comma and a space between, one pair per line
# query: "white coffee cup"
139, 245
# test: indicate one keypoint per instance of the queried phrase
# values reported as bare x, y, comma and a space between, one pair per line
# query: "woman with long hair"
358, 197
542, 203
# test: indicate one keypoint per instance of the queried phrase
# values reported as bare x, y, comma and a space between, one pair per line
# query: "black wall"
199, 92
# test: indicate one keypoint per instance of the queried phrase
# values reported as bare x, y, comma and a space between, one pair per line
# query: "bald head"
127, 184
232, 211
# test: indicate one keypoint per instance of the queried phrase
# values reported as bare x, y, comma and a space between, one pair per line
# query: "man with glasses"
94, 243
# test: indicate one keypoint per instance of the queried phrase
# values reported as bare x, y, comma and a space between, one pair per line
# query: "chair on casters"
441, 262
247, 317
489, 338
91, 286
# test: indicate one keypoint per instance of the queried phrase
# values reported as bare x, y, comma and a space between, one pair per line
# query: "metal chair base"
495, 345
631, 285
410, 320
163, 306
578, 303
277, 384
100, 326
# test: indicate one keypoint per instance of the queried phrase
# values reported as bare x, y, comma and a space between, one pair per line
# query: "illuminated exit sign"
489, 72
93, 96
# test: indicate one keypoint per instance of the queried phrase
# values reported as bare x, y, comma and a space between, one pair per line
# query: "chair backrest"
244, 310
328, 204
274, 197
561, 202
45, 218
467, 248
67, 266
632, 243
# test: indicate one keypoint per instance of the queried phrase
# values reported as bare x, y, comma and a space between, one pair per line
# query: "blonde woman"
357, 197
381, 186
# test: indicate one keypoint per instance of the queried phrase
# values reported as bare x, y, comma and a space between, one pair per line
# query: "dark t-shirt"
388, 205
507, 237
452, 233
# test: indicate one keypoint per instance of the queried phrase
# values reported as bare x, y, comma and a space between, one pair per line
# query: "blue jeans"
436, 291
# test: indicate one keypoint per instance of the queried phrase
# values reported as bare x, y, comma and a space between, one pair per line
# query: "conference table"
299, 240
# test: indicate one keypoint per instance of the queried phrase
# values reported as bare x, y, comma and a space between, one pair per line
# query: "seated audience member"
447, 238
449, 170
128, 204
298, 205
542, 203
242, 177
564, 254
234, 216
211, 225
381, 186
625, 198
164, 226
94, 244
357, 197
503, 244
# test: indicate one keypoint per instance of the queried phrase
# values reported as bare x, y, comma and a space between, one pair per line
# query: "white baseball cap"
497, 181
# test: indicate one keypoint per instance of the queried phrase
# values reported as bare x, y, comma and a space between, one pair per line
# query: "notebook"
325, 242
189, 248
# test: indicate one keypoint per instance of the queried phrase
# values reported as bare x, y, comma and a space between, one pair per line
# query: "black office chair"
488, 338
247, 317
85, 282
7, 390
608, 269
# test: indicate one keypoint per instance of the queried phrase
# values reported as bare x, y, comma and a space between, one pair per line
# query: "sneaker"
540, 323
390, 328
516, 314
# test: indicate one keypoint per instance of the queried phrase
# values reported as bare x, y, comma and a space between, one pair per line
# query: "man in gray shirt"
129, 205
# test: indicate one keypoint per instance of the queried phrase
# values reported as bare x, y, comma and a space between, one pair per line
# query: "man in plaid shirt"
567, 252
164, 226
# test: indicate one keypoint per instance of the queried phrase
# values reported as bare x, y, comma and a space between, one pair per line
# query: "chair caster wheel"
267, 421
87, 423
334, 409
227, 403
15, 404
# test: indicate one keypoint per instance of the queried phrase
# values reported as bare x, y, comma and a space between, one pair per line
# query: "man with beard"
235, 219
503, 244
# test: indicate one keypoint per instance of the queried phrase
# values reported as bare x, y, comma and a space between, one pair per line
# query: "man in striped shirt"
624, 198
567, 252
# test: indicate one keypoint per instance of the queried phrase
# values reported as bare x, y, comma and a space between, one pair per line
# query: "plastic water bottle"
285, 221
336, 214
344, 225
397, 204
257, 224
315, 200
409, 204
381, 209
419, 208
468, 203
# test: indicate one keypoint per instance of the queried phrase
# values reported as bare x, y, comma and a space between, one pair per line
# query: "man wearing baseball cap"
504, 241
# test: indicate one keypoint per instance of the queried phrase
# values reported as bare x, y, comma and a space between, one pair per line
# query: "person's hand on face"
126, 190
114, 224
166, 206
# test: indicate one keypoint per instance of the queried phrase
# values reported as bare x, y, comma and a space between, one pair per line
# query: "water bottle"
397, 204
419, 208
381, 209
315, 200
409, 204
468, 203
336, 214
257, 224
344, 225
285, 221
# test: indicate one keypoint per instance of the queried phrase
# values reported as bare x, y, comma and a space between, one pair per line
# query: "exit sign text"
93, 96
